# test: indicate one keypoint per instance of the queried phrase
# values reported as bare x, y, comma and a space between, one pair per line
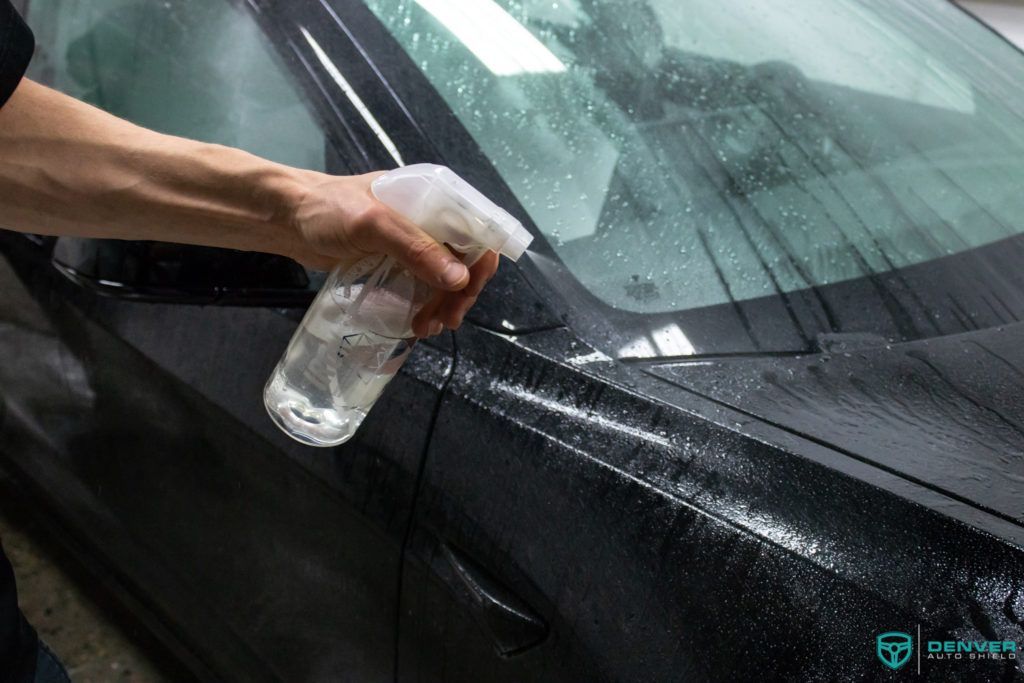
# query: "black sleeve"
16, 45
18, 641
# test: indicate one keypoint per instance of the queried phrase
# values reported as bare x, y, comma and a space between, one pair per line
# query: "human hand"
338, 220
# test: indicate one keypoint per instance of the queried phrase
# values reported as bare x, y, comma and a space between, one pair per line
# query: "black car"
752, 408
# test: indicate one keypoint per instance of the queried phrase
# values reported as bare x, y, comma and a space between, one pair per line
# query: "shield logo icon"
894, 648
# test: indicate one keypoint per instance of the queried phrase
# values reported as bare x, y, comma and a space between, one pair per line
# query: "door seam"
420, 469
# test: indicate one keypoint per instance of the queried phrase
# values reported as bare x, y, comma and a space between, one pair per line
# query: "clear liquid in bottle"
354, 338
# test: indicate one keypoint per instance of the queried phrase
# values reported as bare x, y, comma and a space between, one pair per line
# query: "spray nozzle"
452, 211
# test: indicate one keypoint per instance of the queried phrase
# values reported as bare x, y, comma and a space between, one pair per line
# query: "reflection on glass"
490, 33
200, 69
699, 153
353, 97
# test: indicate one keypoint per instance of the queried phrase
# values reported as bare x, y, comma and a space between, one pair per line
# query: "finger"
454, 309
426, 323
387, 231
481, 273
453, 306
457, 304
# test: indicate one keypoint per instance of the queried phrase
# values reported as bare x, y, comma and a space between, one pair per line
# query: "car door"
135, 405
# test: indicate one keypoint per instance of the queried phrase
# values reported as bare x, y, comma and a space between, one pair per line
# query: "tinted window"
693, 155
201, 69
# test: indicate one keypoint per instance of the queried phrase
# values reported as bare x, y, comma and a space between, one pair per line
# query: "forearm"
70, 169
67, 168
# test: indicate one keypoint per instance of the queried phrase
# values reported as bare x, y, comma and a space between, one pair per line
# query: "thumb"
421, 254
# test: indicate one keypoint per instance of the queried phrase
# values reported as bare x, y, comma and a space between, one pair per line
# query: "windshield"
799, 167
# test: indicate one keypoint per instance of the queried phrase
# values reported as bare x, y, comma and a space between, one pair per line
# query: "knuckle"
420, 250
374, 214
365, 227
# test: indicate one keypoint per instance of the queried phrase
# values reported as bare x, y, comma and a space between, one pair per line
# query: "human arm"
67, 168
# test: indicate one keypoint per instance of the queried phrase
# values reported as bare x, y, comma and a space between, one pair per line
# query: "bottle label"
362, 365
368, 355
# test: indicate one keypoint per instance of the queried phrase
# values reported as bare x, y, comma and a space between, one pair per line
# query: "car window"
682, 155
201, 69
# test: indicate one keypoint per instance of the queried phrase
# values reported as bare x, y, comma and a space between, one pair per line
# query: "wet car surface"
591, 479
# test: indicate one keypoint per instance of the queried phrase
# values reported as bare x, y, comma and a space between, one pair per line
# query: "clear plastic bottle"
353, 339
358, 331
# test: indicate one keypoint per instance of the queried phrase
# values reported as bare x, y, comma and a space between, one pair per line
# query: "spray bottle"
358, 331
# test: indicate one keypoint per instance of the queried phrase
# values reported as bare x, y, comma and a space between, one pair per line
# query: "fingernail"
436, 328
453, 274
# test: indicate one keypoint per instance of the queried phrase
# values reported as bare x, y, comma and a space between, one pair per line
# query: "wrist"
284, 189
266, 197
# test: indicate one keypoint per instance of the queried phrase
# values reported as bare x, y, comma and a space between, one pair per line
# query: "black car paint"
676, 540
638, 521
947, 414
133, 419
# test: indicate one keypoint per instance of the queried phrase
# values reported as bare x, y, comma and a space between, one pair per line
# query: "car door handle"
512, 624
